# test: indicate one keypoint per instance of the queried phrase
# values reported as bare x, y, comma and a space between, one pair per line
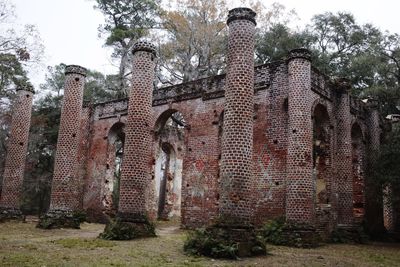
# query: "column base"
224, 241
281, 232
302, 236
56, 219
128, 227
11, 214
349, 233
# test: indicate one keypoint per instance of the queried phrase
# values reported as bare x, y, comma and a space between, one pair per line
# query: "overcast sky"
69, 27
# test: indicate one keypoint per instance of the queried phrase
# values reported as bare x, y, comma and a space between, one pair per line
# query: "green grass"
84, 243
21, 244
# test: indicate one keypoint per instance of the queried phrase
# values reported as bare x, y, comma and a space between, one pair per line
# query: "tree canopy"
195, 39
342, 48
20, 47
126, 21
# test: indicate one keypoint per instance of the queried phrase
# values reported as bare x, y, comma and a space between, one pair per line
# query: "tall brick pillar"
300, 200
17, 147
136, 165
343, 156
389, 220
66, 188
234, 227
237, 138
373, 191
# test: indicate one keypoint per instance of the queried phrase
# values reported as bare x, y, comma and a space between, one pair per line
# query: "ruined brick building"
309, 144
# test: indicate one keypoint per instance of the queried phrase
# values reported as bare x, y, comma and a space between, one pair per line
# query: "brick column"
389, 219
373, 204
374, 127
300, 200
137, 164
65, 191
343, 156
237, 138
234, 226
17, 147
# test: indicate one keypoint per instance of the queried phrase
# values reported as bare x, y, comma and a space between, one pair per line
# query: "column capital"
299, 53
26, 87
144, 46
241, 13
372, 103
341, 85
75, 69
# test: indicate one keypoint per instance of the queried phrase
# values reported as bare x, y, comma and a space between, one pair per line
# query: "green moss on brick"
61, 219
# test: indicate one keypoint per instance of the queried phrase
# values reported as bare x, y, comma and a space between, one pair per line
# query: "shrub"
200, 242
343, 235
120, 230
283, 233
218, 242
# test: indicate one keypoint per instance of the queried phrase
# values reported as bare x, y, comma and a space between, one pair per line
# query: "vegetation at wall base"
121, 230
349, 236
283, 233
61, 219
11, 215
218, 242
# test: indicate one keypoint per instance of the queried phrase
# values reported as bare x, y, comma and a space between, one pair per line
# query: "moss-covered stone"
122, 230
224, 242
9, 214
56, 219
283, 233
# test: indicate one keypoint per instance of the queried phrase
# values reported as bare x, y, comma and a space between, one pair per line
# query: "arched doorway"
357, 153
322, 161
168, 167
115, 152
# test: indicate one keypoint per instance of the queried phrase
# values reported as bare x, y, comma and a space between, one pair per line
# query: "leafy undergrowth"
119, 230
217, 242
282, 233
357, 235
200, 242
21, 244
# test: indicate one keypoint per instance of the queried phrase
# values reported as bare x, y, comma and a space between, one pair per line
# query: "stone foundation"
10, 214
56, 219
302, 236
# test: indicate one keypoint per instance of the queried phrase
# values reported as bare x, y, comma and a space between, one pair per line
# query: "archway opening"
322, 154
115, 152
357, 153
168, 166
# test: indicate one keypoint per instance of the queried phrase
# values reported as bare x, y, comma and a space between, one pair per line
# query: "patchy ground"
21, 244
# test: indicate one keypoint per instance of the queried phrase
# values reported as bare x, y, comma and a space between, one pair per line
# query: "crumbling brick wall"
201, 104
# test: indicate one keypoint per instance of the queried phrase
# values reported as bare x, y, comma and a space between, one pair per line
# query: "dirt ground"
21, 244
